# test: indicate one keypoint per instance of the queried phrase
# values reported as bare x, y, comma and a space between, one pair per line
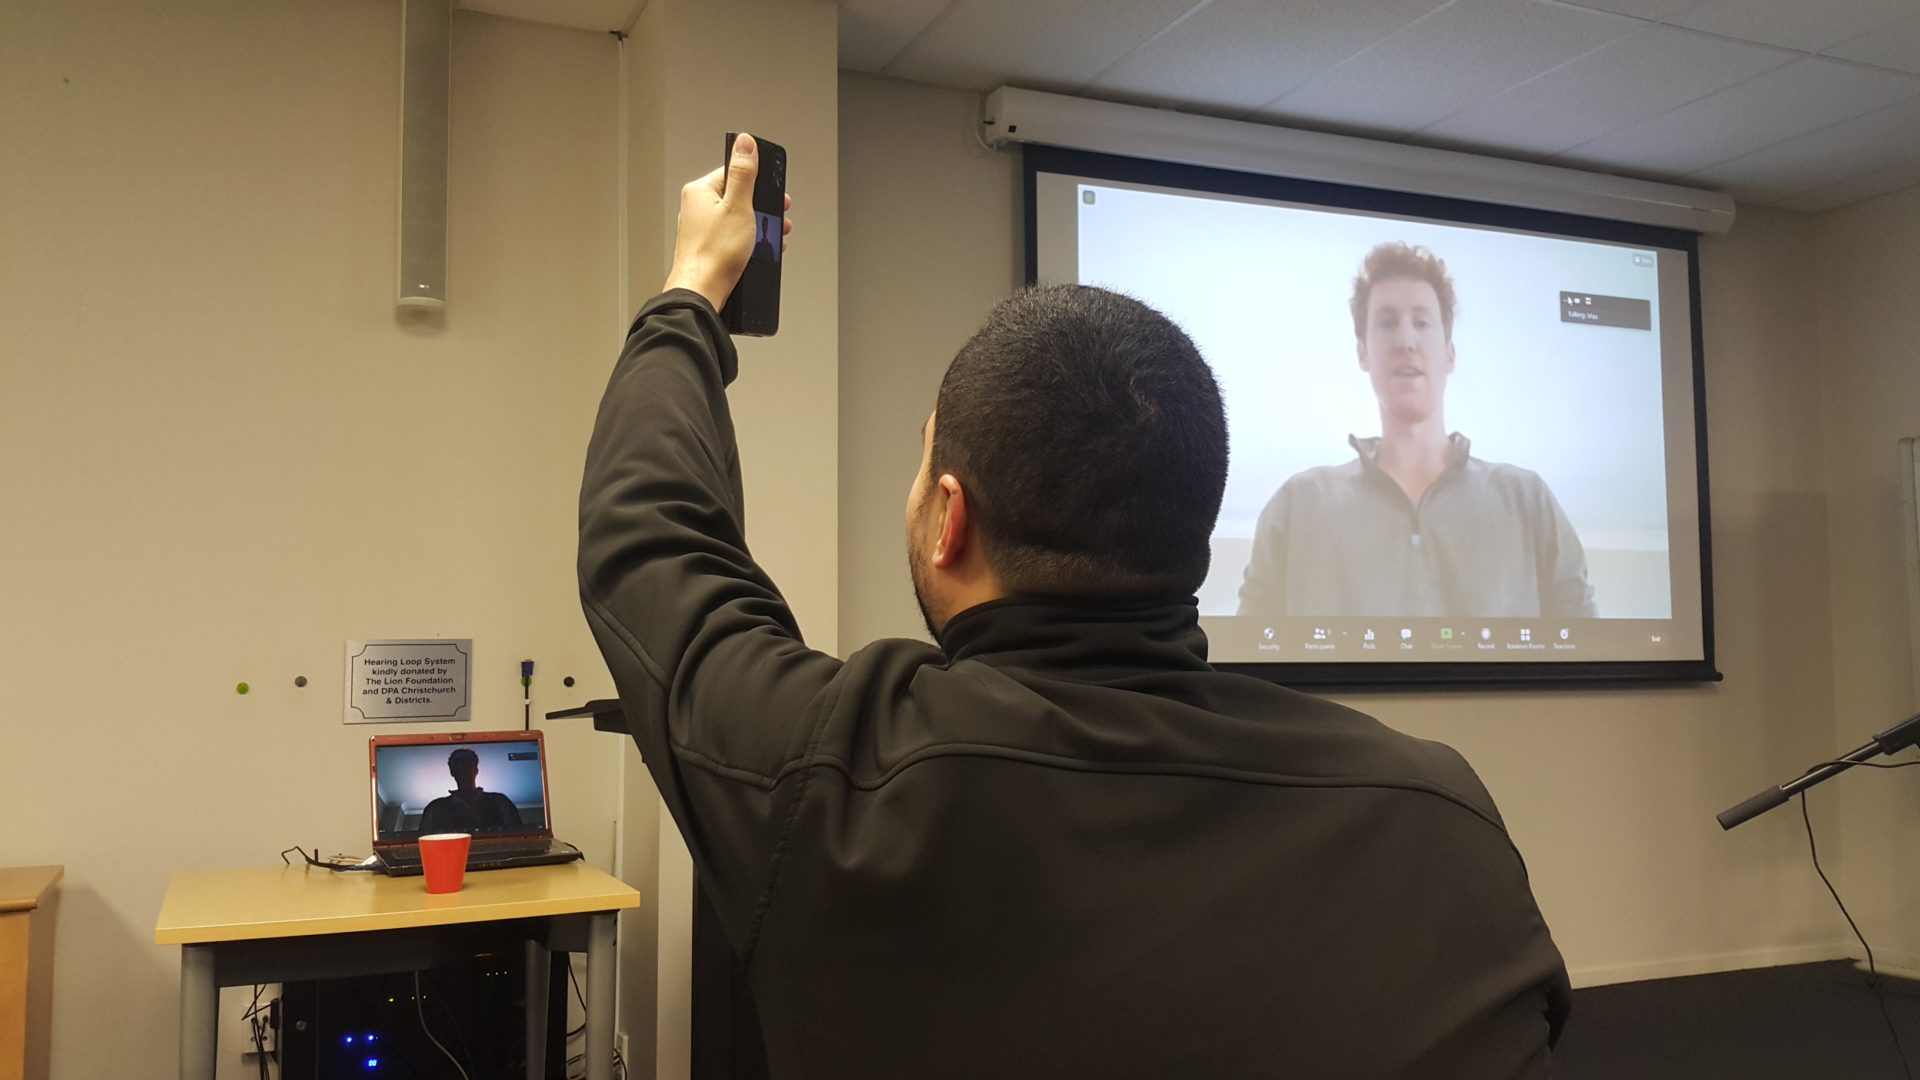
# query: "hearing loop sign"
393, 681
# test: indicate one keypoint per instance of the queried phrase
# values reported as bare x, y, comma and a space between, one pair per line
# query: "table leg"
600, 962
539, 970
199, 1013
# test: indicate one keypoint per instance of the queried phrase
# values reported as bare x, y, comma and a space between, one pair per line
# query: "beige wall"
1611, 796
930, 241
1868, 266
647, 835
222, 456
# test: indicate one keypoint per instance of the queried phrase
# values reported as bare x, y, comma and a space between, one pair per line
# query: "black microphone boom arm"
1891, 741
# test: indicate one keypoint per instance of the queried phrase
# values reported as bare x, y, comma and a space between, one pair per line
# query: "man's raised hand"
715, 233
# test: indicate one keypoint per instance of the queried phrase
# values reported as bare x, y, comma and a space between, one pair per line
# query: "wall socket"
267, 1047
270, 1013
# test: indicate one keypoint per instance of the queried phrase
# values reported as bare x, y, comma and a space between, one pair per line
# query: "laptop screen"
479, 788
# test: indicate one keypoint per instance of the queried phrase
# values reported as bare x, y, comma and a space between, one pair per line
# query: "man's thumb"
742, 168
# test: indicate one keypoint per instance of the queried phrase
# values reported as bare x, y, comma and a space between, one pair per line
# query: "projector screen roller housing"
1466, 442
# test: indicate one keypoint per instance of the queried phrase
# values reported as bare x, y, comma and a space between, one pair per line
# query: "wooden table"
273, 924
28, 902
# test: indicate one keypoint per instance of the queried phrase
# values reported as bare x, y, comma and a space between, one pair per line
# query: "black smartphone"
753, 309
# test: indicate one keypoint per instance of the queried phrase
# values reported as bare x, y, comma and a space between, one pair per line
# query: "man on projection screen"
1415, 526
1057, 843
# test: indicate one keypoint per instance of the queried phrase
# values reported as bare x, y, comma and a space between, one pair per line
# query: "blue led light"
373, 1063
348, 1040
372, 1037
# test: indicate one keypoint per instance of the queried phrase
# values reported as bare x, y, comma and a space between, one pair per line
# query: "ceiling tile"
1042, 44
1794, 24
1233, 56
1639, 9
1896, 46
1879, 140
1459, 55
1788, 101
1633, 79
873, 32
1745, 194
1857, 189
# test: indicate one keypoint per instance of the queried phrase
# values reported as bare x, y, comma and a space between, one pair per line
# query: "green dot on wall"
241, 688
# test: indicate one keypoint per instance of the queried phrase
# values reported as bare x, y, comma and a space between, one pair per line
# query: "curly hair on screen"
1091, 440
1398, 259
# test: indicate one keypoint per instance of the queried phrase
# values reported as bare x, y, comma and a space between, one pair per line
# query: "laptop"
492, 784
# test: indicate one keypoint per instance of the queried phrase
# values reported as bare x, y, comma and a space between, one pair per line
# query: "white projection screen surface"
1482, 460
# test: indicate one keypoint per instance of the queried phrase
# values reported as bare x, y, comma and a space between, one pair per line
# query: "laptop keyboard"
481, 850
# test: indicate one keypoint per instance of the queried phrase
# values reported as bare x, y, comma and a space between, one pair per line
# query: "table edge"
375, 922
29, 903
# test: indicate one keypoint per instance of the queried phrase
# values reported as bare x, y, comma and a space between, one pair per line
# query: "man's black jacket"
1057, 845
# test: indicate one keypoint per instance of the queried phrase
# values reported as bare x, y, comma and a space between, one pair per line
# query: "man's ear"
1360, 351
956, 525
1450, 356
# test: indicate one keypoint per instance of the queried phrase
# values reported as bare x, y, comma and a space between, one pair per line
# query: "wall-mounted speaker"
426, 93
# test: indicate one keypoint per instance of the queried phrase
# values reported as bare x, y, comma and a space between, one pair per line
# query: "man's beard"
916, 569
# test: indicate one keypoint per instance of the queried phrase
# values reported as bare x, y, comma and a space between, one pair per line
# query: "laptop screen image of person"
492, 785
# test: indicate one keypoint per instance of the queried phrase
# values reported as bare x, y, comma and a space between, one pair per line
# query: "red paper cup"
444, 858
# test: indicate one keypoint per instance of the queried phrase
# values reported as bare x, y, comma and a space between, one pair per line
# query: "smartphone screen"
754, 307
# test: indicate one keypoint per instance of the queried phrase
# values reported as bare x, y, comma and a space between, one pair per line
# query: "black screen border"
459, 740
1387, 674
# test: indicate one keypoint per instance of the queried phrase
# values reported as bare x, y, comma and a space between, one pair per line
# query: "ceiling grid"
1795, 103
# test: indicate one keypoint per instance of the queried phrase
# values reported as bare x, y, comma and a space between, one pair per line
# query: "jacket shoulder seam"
1151, 768
804, 767
633, 645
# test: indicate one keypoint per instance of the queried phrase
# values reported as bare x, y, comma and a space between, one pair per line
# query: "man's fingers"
742, 168
789, 205
786, 226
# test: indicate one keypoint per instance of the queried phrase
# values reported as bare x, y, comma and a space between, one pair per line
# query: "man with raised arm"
1054, 843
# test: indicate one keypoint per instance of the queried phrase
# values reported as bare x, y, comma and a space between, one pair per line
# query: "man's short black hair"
454, 759
1092, 444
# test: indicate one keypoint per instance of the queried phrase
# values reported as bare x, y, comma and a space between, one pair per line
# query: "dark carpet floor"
1812, 1021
